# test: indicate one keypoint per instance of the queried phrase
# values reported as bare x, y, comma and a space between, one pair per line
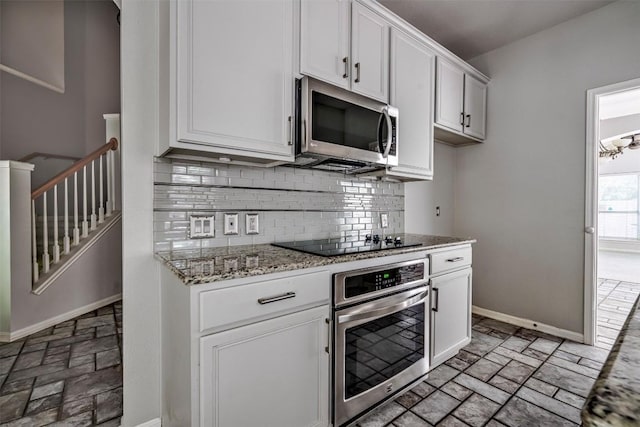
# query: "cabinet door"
449, 95
324, 40
451, 314
235, 75
273, 373
370, 51
411, 90
475, 107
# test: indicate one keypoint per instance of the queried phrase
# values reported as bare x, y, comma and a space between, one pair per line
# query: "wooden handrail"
111, 145
48, 156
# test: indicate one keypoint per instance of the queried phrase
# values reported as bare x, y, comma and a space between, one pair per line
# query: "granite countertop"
197, 266
615, 397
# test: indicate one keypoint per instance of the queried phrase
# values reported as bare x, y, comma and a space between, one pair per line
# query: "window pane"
618, 206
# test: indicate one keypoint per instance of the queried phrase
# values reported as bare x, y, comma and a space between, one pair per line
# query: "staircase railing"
82, 225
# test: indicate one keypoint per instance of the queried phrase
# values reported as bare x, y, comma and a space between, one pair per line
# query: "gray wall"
97, 276
422, 198
521, 193
38, 119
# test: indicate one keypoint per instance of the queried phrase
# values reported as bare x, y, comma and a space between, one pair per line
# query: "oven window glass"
380, 349
343, 123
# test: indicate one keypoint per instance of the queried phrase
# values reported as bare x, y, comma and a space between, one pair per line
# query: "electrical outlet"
201, 227
252, 225
437, 210
230, 223
384, 220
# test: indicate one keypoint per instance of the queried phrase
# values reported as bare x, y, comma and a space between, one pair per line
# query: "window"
619, 206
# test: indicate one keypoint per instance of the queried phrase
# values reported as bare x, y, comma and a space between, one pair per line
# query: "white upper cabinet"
370, 51
346, 44
450, 95
324, 40
461, 101
412, 91
234, 78
475, 107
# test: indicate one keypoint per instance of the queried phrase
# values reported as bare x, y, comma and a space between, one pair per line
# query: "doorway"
612, 210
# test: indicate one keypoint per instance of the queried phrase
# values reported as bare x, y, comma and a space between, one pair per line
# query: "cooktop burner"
343, 246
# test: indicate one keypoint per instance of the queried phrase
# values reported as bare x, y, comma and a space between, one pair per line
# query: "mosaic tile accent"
292, 204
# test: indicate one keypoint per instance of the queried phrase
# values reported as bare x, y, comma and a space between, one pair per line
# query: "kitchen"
495, 171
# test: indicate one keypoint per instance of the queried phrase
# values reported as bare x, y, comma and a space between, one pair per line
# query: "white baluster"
45, 235
34, 241
93, 195
85, 224
112, 153
56, 245
101, 207
76, 230
109, 188
65, 239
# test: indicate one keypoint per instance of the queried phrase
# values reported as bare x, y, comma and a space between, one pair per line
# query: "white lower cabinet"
450, 314
274, 373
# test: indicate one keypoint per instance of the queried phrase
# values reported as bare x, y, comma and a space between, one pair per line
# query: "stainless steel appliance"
338, 130
381, 335
344, 246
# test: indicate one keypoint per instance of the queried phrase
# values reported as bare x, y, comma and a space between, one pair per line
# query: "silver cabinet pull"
437, 292
468, 120
462, 119
328, 322
290, 142
268, 300
456, 259
346, 67
357, 72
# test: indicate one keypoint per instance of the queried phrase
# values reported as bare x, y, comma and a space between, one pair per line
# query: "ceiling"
472, 27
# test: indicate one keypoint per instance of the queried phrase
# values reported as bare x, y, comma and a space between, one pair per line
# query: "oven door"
381, 346
340, 124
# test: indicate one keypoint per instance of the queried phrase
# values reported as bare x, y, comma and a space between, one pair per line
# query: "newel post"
112, 123
15, 236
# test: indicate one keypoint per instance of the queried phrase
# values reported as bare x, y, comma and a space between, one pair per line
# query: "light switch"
201, 226
231, 223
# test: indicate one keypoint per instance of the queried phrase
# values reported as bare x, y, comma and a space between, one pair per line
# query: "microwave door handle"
385, 150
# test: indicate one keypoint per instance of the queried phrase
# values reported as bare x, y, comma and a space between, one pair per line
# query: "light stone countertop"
615, 397
197, 266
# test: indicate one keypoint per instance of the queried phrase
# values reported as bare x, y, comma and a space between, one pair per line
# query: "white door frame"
591, 203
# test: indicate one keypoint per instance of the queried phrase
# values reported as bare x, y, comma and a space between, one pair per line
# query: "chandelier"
613, 149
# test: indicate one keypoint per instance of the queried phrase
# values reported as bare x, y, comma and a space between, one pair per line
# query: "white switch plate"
201, 226
384, 220
231, 223
252, 223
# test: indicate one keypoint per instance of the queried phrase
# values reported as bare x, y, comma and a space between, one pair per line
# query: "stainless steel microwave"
342, 131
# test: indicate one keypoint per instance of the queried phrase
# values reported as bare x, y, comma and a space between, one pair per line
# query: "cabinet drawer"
450, 260
262, 300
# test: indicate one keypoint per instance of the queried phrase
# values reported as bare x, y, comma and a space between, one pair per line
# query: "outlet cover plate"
384, 220
230, 223
252, 225
201, 227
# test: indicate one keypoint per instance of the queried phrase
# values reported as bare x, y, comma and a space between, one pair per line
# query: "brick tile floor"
615, 300
506, 376
66, 375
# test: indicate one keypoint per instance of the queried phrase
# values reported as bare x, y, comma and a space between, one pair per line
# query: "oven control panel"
383, 278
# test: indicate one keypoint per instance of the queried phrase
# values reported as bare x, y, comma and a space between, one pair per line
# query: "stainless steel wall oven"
381, 335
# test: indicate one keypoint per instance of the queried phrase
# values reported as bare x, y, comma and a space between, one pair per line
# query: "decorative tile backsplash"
292, 204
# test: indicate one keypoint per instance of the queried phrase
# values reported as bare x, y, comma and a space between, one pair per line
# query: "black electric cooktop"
343, 246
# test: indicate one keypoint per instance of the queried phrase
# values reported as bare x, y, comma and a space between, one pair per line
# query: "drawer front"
262, 300
450, 260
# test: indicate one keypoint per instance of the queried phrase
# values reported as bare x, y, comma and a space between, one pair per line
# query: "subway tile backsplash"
292, 204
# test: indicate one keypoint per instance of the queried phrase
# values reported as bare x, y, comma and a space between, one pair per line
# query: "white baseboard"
21, 333
156, 422
529, 324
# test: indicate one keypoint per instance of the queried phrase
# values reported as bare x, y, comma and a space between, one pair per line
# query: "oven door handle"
385, 310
